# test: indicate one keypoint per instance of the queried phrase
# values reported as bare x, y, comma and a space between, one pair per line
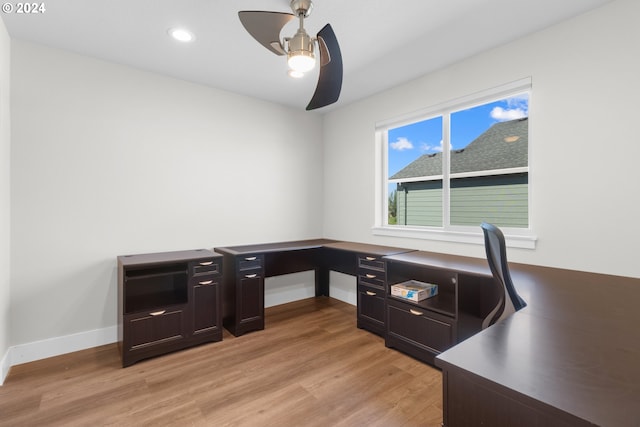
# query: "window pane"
420, 203
489, 161
415, 173
500, 200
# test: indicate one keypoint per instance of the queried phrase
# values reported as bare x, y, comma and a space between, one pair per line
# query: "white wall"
5, 199
108, 160
585, 144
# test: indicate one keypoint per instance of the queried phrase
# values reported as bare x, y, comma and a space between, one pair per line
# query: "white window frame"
515, 237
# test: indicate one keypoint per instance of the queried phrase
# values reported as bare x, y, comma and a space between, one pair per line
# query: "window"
447, 169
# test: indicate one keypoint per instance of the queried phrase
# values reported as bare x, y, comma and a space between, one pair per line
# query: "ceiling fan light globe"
295, 74
301, 61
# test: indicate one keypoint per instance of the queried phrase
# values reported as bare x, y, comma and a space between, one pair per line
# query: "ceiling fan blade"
330, 79
265, 27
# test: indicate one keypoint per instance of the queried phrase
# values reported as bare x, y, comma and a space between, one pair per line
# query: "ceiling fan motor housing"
300, 51
300, 47
301, 7
301, 43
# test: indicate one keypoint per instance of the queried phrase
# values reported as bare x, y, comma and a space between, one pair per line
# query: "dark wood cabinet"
426, 328
243, 308
367, 263
247, 266
205, 296
371, 279
206, 289
167, 301
371, 309
250, 310
417, 331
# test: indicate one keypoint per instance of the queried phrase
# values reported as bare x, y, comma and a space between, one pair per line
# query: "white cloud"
517, 108
501, 114
401, 144
521, 100
428, 148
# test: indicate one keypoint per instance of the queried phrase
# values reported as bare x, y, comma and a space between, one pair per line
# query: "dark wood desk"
247, 266
570, 358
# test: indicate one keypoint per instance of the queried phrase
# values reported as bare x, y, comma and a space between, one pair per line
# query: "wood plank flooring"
311, 366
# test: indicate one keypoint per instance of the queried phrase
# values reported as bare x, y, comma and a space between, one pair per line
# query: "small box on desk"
414, 290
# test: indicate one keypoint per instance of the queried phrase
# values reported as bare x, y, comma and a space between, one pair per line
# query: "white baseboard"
285, 289
4, 367
24, 353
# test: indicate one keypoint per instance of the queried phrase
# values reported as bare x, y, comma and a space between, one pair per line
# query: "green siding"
502, 200
421, 204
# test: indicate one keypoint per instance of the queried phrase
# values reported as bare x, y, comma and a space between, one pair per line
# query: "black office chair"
510, 301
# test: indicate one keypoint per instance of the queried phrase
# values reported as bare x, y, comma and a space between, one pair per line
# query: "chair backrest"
496, 249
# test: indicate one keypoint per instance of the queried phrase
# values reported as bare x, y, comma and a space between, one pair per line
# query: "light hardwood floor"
311, 366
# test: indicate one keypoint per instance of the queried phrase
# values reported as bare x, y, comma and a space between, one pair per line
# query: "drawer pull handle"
416, 312
370, 258
371, 294
157, 313
206, 263
250, 276
251, 258
370, 276
206, 282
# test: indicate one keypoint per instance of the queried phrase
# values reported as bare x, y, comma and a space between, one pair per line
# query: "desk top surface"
311, 244
461, 264
163, 257
365, 248
576, 346
274, 247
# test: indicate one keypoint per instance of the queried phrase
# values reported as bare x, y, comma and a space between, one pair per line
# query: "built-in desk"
570, 358
248, 265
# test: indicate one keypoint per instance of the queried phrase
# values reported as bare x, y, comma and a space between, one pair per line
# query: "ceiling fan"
265, 27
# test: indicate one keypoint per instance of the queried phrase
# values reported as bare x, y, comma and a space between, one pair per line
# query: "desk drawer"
371, 278
205, 267
251, 262
371, 262
154, 328
419, 327
371, 309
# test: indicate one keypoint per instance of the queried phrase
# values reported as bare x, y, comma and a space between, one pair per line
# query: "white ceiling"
383, 42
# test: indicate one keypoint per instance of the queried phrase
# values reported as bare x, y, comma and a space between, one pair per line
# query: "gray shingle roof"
504, 145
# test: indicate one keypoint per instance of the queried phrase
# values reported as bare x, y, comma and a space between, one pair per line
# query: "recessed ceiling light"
181, 34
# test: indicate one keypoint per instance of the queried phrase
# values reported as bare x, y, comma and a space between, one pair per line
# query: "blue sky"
409, 142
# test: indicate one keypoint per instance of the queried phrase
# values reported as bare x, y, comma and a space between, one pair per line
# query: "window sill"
524, 241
